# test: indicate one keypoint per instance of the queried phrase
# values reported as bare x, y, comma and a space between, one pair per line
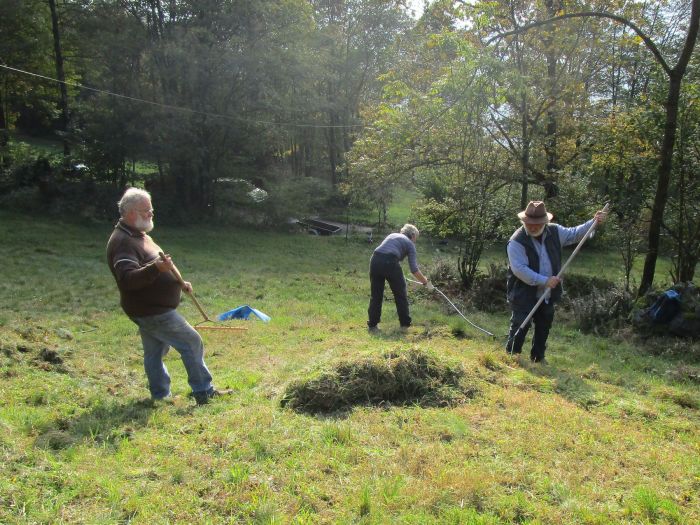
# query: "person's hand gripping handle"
186, 286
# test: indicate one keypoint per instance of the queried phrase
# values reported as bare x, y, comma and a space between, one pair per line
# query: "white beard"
144, 225
535, 234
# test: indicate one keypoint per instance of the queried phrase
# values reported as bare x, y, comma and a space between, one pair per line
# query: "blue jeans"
158, 334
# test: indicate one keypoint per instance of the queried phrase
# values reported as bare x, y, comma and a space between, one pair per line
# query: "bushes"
602, 310
295, 197
39, 185
685, 323
443, 272
596, 304
488, 292
576, 285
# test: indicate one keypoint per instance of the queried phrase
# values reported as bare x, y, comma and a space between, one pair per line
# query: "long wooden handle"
179, 278
174, 271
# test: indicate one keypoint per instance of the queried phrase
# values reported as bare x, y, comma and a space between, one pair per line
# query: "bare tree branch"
591, 14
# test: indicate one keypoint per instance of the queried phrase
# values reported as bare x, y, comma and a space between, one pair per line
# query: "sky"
416, 6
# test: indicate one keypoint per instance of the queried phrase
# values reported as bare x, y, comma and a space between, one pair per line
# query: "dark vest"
524, 295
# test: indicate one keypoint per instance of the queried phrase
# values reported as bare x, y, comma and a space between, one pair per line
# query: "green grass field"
607, 433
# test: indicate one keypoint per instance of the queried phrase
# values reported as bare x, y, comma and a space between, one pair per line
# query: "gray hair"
410, 231
131, 197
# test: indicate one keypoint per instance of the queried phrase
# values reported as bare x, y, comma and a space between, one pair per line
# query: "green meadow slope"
606, 433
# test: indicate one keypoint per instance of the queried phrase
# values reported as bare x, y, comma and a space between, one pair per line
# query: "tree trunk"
4, 132
60, 75
674, 91
333, 147
662, 184
550, 142
687, 269
524, 158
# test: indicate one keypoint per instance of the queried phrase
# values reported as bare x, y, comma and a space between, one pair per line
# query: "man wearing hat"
534, 260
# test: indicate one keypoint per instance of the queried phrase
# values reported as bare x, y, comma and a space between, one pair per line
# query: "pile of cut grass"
411, 378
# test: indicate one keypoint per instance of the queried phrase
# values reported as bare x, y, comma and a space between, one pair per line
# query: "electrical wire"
177, 108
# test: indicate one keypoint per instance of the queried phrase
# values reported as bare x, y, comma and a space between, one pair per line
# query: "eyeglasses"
147, 212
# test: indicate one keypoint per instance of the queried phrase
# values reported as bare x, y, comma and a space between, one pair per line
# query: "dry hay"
410, 378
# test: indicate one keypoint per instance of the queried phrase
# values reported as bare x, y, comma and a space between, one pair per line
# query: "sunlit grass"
607, 433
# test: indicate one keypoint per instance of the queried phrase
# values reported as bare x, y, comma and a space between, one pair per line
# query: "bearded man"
534, 261
150, 294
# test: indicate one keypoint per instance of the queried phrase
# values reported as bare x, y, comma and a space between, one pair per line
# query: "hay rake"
200, 325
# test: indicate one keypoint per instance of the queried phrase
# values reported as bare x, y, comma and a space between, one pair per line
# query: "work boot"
202, 398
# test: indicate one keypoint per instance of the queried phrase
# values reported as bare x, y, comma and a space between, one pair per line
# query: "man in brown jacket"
150, 294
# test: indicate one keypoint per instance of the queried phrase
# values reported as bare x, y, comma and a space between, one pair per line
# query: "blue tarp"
243, 312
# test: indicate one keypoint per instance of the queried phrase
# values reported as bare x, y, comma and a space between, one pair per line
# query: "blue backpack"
665, 308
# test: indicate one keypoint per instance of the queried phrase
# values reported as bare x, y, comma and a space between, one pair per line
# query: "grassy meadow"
606, 433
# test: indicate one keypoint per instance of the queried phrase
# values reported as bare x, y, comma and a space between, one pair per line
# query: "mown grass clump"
414, 377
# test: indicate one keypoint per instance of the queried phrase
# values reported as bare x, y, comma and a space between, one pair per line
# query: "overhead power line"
177, 108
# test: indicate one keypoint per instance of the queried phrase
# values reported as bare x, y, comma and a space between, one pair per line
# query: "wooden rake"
200, 325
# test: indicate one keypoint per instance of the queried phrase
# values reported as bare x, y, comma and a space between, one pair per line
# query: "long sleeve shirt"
517, 257
401, 246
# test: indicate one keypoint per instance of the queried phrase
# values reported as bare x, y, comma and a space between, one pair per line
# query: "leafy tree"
621, 165
25, 40
542, 89
438, 134
675, 77
354, 37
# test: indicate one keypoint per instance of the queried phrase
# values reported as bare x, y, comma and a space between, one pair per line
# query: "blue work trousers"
158, 334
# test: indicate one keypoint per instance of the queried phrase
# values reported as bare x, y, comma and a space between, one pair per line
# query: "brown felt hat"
535, 213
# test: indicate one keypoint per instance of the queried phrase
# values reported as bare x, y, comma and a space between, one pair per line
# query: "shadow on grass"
419, 332
104, 423
571, 387
395, 334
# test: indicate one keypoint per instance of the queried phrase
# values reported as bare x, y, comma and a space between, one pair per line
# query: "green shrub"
601, 311
443, 272
296, 197
576, 285
488, 293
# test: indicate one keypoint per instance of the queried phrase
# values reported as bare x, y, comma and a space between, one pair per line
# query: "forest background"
254, 112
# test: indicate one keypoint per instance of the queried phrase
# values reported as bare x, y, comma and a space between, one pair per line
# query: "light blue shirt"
517, 256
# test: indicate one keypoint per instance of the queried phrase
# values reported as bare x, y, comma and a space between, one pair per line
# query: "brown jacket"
144, 290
